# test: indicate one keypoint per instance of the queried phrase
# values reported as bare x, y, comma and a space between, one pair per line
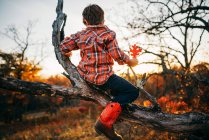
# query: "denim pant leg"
122, 90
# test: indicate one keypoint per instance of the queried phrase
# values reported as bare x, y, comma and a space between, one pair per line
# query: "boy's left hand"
69, 54
133, 62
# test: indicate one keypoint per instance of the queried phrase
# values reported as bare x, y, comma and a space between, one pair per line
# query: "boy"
98, 47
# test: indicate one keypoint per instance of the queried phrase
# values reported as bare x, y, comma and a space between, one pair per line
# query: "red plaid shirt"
98, 47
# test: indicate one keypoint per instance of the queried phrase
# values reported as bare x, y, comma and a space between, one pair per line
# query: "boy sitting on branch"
98, 50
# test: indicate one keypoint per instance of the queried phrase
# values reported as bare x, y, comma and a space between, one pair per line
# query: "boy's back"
98, 47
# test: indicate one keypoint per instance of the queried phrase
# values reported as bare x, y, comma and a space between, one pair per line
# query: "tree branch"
186, 123
193, 52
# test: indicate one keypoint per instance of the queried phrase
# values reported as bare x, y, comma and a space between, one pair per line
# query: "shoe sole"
98, 128
98, 132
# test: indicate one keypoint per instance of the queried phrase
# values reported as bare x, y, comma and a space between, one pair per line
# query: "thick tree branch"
186, 123
37, 88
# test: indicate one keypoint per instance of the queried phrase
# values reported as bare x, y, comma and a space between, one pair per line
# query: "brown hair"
93, 14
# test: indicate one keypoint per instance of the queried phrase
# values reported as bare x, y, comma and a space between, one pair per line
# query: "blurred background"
173, 35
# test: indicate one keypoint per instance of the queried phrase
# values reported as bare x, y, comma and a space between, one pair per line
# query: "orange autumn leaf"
147, 103
135, 50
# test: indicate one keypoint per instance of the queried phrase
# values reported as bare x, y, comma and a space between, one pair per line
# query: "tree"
184, 22
17, 64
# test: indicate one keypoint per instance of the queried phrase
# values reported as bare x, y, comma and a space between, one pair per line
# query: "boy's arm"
114, 50
69, 44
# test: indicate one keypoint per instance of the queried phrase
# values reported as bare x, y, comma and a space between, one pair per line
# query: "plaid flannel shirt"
98, 47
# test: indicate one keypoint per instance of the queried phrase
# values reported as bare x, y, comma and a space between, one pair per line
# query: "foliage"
11, 64
16, 104
59, 80
75, 123
179, 92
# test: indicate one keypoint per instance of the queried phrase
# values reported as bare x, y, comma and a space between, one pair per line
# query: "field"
74, 123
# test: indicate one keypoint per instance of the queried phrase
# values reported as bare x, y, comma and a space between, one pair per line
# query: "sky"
42, 14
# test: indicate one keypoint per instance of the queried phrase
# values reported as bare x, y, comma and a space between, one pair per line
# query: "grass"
75, 123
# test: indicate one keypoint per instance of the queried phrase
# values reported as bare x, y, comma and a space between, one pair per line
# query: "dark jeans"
122, 90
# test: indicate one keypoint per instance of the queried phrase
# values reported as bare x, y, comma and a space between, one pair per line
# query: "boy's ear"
85, 22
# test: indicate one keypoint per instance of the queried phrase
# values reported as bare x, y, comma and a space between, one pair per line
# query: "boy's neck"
95, 26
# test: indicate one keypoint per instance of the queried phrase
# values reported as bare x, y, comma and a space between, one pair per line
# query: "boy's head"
93, 15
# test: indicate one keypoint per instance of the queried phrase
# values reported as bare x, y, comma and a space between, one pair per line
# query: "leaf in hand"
135, 50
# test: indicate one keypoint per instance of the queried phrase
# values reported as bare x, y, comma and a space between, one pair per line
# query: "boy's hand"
132, 62
69, 54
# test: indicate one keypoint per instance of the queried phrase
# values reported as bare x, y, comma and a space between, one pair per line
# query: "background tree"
20, 64
11, 64
175, 29
16, 63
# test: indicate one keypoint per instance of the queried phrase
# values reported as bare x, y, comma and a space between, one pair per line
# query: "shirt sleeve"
115, 52
69, 43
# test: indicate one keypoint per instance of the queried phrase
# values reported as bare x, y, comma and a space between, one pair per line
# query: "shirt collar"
96, 26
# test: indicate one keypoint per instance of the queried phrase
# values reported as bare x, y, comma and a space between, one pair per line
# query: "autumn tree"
17, 64
12, 65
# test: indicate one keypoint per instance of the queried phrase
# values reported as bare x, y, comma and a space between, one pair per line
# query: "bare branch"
176, 40
177, 58
197, 47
